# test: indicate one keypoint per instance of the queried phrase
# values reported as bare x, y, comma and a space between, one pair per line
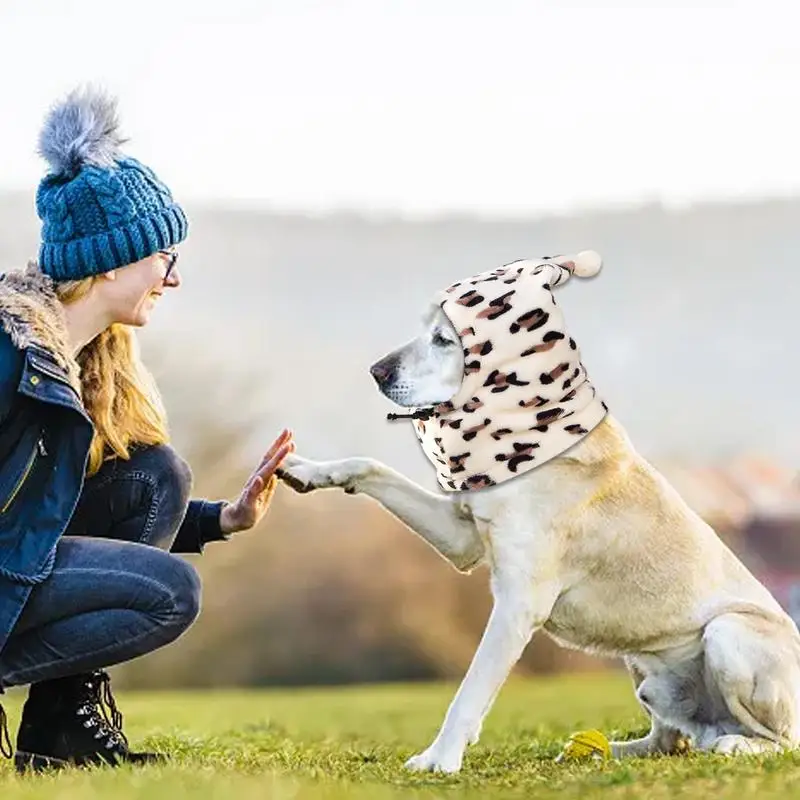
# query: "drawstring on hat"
422, 413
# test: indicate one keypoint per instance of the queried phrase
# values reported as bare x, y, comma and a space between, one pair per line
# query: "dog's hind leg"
753, 662
518, 611
437, 518
732, 744
662, 738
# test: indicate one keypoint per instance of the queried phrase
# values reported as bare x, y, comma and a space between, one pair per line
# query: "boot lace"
99, 704
5, 740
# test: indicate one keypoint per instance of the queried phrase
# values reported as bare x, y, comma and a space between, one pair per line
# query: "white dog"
597, 549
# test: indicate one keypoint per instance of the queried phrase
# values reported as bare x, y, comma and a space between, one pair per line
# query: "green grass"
352, 742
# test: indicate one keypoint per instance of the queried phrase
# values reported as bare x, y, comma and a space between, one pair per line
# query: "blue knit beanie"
100, 209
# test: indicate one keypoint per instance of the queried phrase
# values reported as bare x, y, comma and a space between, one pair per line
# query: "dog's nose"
380, 372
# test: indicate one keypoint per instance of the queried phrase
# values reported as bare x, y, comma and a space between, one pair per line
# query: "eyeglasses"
172, 255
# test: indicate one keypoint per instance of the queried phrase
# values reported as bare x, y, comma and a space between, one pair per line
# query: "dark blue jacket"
44, 444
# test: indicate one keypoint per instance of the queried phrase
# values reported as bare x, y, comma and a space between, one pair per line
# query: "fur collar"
32, 315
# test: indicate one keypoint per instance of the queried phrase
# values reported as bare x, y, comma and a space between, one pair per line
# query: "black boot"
65, 723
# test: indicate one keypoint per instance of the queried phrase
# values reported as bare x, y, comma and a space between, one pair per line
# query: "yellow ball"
585, 744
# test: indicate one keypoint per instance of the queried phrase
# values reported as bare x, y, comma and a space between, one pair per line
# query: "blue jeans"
114, 598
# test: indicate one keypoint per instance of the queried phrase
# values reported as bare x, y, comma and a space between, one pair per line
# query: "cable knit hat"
100, 209
525, 396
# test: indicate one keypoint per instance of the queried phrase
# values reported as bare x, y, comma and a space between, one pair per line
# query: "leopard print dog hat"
525, 396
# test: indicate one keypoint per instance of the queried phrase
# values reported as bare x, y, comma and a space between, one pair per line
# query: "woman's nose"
173, 280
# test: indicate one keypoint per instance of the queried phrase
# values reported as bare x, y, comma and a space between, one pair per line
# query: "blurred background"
342, 161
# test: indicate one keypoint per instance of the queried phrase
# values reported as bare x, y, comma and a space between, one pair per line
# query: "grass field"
352, 742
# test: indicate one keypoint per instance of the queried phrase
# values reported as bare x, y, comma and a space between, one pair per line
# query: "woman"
93, 501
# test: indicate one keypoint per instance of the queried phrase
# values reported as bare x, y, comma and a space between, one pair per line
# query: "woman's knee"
177, 602
186, 592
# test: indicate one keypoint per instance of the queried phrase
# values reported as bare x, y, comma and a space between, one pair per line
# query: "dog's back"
639, 568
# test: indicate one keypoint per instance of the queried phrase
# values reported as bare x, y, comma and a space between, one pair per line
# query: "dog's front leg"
434, 517
517, 613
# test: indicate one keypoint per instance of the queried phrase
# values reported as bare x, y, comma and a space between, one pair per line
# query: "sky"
422, 106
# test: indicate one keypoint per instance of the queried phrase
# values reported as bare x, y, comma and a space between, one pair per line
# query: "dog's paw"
435, 759
736, 745
302, 475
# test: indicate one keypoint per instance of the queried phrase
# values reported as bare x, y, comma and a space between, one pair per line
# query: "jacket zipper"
39, 449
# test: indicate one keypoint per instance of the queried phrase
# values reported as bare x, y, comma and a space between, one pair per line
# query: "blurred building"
754, 505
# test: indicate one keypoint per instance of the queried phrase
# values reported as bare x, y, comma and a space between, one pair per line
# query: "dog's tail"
559, 269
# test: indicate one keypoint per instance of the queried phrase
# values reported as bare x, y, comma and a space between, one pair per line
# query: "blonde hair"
119, 393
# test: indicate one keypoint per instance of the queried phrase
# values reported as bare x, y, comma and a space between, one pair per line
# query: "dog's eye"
440, 340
